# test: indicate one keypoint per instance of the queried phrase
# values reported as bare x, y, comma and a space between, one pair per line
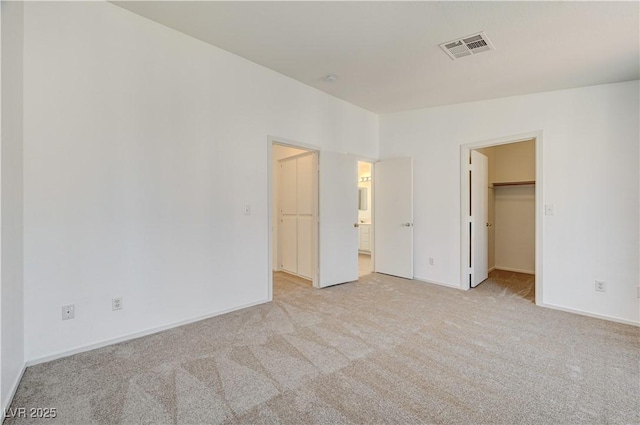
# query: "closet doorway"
501, 213
295, 204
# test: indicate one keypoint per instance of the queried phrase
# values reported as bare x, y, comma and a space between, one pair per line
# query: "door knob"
356, 225
489, 224
407, 224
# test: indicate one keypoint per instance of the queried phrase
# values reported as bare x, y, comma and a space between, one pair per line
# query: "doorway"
365, 218
501, 212
334, 232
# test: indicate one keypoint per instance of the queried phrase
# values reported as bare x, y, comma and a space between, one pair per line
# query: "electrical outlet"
116, 303
431, 261
601, 286
68, 312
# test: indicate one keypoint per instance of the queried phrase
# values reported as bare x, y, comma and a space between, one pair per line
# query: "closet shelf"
520, 183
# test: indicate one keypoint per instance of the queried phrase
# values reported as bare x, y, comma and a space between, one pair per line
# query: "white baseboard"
491, 269
586, 313
6, 402
448, 285
134, 335
511, 269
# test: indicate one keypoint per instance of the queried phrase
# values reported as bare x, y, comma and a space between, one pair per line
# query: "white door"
393, 217
479, 218
338, 216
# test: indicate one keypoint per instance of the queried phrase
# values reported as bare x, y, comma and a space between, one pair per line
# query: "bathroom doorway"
365, 218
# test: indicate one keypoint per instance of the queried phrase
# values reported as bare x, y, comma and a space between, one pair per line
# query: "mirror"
362, 198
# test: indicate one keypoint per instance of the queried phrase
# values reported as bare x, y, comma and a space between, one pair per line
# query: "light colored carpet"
382, 350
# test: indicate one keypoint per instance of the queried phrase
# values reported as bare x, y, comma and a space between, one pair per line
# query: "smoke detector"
467, 46
331, 78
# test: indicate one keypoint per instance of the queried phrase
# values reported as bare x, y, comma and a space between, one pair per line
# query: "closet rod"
521, 183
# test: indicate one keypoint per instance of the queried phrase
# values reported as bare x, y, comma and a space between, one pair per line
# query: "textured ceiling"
386, 54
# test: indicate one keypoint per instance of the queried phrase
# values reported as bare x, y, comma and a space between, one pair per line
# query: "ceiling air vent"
467, 46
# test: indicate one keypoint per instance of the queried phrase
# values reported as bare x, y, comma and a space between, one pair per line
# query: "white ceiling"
386, 54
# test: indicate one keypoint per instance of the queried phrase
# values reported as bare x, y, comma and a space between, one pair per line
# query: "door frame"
465, 249
273, 140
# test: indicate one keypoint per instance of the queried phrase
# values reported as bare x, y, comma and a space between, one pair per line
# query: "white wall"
11, 289
141, 148
279, 152
590, 173
515, 225
515, 162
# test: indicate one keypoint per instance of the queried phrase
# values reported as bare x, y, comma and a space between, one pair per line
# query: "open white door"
479, 218
338, 217
393, 217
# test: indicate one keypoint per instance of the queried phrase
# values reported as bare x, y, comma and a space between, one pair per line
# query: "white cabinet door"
305, 246
297, 214
365, 237
289, 244
305, 190
288, 187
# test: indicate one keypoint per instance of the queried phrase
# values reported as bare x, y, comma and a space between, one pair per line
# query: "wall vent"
467, 46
